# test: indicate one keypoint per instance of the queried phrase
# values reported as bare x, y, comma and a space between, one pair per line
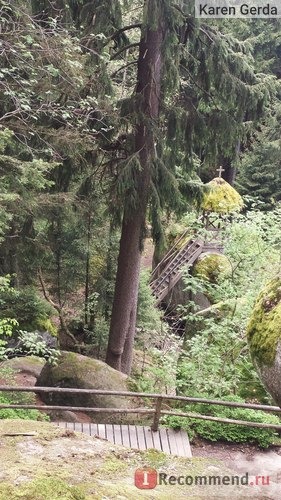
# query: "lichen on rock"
264, 328
221, 197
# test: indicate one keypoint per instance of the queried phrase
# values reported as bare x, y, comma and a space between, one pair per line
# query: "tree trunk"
123, 318
87, 271
229, 165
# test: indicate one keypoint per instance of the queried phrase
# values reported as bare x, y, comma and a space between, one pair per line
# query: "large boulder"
81, 372
264, 337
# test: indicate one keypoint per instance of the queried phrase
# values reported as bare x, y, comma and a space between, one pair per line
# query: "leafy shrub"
30, 310
6, 330
33, 344
215, 431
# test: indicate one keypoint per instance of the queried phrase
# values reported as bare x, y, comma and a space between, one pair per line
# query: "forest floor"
40, 461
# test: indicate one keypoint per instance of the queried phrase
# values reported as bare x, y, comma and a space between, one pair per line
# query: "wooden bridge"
135, 436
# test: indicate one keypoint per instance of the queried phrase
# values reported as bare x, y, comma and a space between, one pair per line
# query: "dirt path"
262, 465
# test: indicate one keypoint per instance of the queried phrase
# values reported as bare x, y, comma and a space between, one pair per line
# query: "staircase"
172, 273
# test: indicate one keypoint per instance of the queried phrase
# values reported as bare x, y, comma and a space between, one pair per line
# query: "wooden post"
157, 414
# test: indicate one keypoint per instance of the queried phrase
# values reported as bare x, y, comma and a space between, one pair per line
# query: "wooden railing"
157, 411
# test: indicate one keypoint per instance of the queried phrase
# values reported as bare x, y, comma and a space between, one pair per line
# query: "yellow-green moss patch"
211, 266
221, 197
41, 489
264, 328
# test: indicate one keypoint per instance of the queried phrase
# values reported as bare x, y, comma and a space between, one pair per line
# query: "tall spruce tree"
148, 90
259, 168
194, 85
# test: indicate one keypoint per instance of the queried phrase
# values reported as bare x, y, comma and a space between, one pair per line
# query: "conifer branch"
121, 30
131, 45
206, 34
198, 86
135, 61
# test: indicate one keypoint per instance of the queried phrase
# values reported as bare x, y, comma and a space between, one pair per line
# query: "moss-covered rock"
264, 337
211, 266
30, 365
264, 328
81, 372
221, 197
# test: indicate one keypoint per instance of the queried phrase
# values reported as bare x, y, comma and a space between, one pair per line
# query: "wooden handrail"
157, 411
188, 399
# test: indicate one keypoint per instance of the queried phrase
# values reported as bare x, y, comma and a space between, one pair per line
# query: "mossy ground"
264, 328
56, 464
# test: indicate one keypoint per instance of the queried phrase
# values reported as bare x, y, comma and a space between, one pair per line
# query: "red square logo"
146, 478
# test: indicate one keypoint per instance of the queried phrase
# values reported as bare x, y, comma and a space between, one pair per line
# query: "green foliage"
216, 431
7, 398
156, 357
30, 310
31, 344
7, 326
68, 164
46, 325
259, 172
259, 168
157, 349
148, 317
216, 357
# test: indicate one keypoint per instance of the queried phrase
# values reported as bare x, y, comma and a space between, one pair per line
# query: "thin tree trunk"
87, 270
123, 318
110, 270
126, 289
